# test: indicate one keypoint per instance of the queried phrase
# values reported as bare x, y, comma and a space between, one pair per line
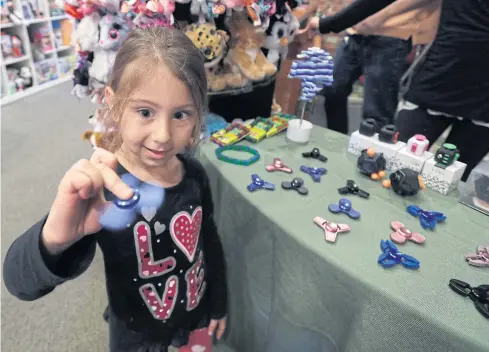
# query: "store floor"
40, 140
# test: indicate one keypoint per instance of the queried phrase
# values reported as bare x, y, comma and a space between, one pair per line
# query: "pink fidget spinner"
481, 258
331, 230
402, 234
278, 165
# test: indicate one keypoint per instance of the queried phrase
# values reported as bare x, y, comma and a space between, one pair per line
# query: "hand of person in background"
311, 29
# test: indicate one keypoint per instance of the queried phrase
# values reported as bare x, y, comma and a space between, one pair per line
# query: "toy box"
475, 192
442, 180
259, 129
66, 65
406, 158
390, 151
46, 70
359, 142
231, 134
281, 122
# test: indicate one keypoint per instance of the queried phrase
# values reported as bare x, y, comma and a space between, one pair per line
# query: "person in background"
374, 48
165, 273
448, 84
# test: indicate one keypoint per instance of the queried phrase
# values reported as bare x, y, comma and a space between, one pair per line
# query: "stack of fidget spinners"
315, 70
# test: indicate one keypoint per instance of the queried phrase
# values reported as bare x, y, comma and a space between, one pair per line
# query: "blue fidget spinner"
427, 219
391, 256
344, 206
123, 212
314, 172
257, 183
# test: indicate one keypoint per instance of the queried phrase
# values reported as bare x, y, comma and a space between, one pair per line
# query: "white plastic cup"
299, 133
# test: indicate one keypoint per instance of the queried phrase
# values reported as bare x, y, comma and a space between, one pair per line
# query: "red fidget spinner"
278, 165
331, 230
402, 234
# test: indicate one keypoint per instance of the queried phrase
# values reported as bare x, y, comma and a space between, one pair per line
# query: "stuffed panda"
279, 35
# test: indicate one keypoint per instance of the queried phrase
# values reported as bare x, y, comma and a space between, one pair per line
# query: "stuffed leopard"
213, 45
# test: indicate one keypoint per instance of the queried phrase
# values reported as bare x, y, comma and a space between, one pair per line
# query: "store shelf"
16, 60
33, 90
36, 23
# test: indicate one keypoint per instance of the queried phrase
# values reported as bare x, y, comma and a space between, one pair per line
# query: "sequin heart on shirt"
185, 231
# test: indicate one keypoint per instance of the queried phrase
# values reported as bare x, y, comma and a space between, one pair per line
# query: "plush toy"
152, 13
279, 35
259, 11
213, 45
246, 53
95, 135
85, 37
113, 31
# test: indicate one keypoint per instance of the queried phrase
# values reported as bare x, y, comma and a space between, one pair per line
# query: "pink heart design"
185, 231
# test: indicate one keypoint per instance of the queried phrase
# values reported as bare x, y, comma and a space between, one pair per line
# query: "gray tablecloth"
292, 291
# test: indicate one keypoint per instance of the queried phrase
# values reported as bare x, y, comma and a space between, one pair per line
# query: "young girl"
165, 273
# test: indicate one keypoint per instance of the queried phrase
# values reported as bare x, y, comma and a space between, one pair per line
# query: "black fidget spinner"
315, 154
368, 127
352, 188
479, 295
296, 184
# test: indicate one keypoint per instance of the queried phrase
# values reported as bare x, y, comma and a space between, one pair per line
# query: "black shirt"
163, 274
351, 15
454, 78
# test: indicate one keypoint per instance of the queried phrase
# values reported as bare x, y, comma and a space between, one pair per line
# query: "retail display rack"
36, 47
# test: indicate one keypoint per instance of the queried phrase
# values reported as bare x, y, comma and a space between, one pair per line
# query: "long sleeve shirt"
403, 19
164, 273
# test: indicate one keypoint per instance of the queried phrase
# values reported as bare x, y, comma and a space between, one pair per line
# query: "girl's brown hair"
138, 59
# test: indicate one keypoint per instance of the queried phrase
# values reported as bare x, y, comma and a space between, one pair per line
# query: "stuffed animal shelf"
246, 52
213, 45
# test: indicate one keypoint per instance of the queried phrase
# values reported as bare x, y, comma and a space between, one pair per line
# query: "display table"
292, 291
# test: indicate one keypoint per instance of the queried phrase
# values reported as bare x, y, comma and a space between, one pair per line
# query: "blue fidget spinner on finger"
122, 213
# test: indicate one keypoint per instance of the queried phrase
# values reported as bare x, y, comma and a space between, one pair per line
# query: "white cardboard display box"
442, 180
406, 159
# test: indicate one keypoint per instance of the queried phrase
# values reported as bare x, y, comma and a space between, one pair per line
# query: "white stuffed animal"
85, 37
279, 35
113, 31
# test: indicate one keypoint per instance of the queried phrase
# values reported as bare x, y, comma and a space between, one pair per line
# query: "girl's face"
158, 121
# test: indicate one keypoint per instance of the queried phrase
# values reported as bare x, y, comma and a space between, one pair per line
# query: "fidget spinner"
344, 206
314, 172
331, 230
427, 219
391, 256
257, 183
278, 165
315, 154
296, 184
401, 234
352, 188
121, 213
480, 258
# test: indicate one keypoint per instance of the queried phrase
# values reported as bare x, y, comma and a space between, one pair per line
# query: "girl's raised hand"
80, 201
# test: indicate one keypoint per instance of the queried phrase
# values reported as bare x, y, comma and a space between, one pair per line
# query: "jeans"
382, 61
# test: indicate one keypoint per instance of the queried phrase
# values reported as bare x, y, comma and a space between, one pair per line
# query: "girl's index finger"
102, 156
113, 182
